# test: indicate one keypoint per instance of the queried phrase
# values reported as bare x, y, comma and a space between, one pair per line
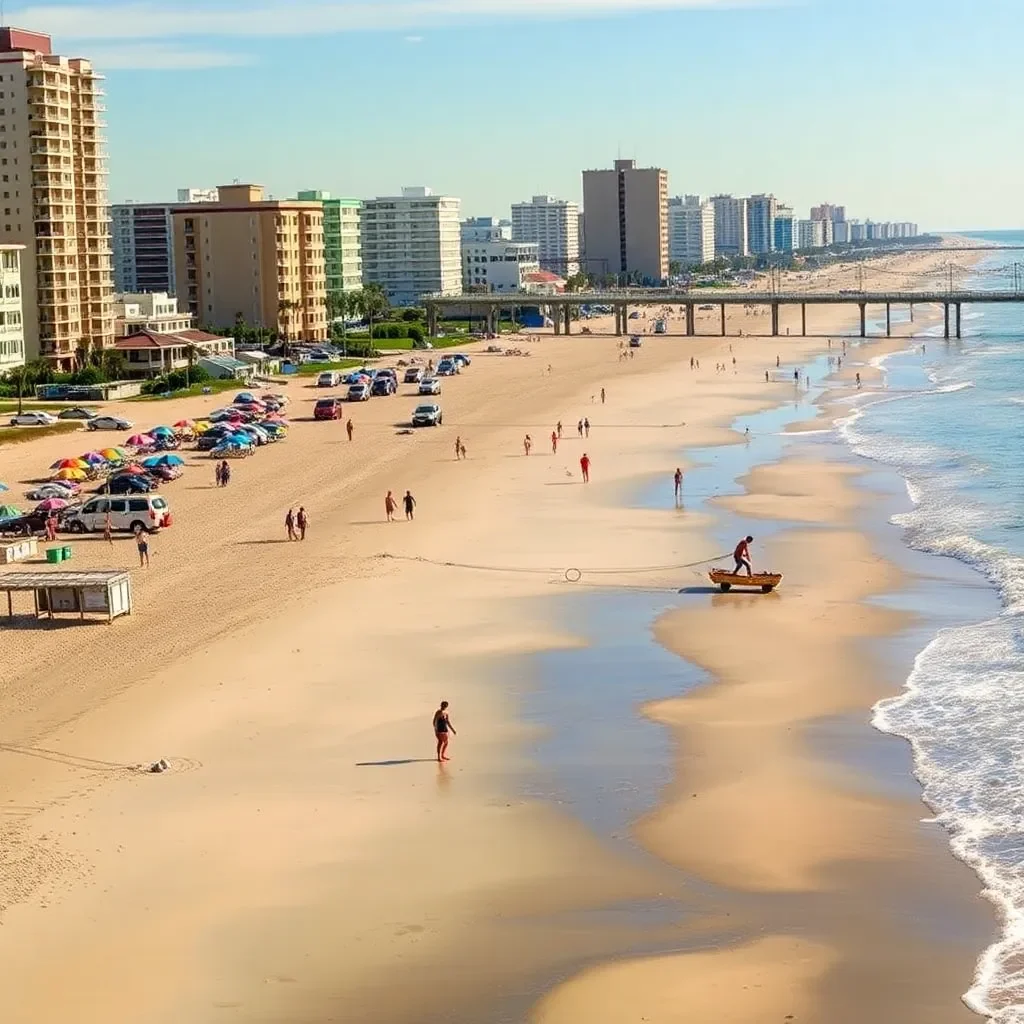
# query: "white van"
328, 379
128, 512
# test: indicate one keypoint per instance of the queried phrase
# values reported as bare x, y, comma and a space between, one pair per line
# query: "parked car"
359, 392
328, 379
33, 419
56, 489
447, 367
383, 385
461, 358
109, 423
148, 512
413, 375
327, 409
128, 483
427, 416
387, 371
77, 412
430, 386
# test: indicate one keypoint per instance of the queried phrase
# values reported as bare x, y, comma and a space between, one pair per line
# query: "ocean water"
951, 421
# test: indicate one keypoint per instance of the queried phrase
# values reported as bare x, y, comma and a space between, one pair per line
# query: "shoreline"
272, 750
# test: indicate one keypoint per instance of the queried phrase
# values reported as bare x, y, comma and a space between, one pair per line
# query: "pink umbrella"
140, 441
133, 468
52, 505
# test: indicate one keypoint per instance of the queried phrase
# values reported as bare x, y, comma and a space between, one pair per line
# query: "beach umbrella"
139, 440
94, 458
70, 464
170, 460
160, 432
9, 511
201, 426
71, 474
153, 460
52, 505
184, 425
3, 487
132, 469
112, 454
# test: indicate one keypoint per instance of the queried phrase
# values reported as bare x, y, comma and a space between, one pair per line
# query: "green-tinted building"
342, 255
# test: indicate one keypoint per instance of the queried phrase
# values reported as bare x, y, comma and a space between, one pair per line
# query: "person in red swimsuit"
585, 467
742, 555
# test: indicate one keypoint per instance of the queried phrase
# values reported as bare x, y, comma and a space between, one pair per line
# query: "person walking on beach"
742, 555
217, 475
225, 473
462, 449
142, 542
108, 529
289, 525
302, 521
585, 467
51, 526
858, 381
579, 428
558, 427
554, 443
527, 444
458, 448
410, 504
678, 481
389, 506
586, 427
602, 396
349, 428
442, 727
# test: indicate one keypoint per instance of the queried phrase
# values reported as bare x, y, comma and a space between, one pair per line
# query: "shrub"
416, 333
412, 315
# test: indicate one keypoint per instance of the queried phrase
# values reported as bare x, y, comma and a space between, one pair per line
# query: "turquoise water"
950, 421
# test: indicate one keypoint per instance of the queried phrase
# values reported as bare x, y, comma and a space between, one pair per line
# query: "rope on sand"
572, 574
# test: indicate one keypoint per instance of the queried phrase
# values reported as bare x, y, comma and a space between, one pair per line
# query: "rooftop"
154, 339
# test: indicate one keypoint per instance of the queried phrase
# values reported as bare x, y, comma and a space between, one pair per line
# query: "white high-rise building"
553, 226
840, 230
491, 261
730, 226
12, 320
811, 234
53, 197
691, 231
411, 245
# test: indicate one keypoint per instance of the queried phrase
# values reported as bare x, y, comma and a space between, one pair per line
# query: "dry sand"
305, 860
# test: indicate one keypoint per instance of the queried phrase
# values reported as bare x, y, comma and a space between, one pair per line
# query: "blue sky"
901, 109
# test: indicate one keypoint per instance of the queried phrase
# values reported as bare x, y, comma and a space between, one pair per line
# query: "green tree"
578, 282
675, 267
113, 364
373, 303
191, 354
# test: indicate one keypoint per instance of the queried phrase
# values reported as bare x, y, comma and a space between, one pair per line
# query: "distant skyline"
897, 111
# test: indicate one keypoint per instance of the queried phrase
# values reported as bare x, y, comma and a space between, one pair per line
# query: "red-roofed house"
543, 282
149, 353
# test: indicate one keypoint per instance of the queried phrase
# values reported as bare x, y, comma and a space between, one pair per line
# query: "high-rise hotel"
53, 196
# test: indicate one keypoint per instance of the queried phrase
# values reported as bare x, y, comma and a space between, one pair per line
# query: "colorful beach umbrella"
70, 464
184, 424
112, 454
94, 458
52, 505
9, 511
134, 469
139, 440
71, 474
159, 431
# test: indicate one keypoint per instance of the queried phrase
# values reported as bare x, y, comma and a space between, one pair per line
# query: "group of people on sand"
296, 523
222, 473
391, 506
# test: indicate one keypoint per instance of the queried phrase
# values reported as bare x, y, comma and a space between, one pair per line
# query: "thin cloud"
163, 57
414, 39
151, 20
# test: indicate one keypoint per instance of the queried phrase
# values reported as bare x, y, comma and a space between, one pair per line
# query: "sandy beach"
306, 859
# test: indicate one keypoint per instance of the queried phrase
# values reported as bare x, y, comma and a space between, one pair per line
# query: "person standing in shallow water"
442, 727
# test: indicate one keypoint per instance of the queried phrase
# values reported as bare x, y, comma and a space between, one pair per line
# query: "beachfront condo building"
730, 226
12, 318
411, 245
255, 258
491, 260
142, 241
343, 261
811, 234
691, 231
828, 212
553, 225
786, 237
761, 212
626, 216
53, 197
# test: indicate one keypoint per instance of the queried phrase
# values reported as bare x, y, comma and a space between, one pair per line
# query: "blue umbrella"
160, 430
4, 487
244, 440
170, 460
153, 460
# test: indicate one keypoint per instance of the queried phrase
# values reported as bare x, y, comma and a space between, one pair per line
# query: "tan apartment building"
625, 213
53, 196
261, 258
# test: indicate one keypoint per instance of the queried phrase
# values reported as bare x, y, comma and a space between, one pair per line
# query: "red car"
327, 409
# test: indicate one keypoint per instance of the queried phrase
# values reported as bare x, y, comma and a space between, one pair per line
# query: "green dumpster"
55, 554
66, 552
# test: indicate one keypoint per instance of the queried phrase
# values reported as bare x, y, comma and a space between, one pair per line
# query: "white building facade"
150, 311
411, 245
553, 225
691, 231
491, 261
810, 234
12, 321
730, 226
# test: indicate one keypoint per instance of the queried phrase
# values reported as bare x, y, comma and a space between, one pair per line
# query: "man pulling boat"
742, 555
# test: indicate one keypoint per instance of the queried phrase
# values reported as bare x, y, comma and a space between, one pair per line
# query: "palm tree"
22, 380
191, 354
285, 307
373, 302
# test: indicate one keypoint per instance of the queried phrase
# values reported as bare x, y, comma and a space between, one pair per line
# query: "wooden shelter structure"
101, 591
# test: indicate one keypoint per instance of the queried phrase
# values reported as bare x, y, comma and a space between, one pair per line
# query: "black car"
382, 386
78, 412
128, 483
25, 525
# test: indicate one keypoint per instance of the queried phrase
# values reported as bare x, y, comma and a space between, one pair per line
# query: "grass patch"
405, 344
16, 435
312, 369
35, 405
215, 387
